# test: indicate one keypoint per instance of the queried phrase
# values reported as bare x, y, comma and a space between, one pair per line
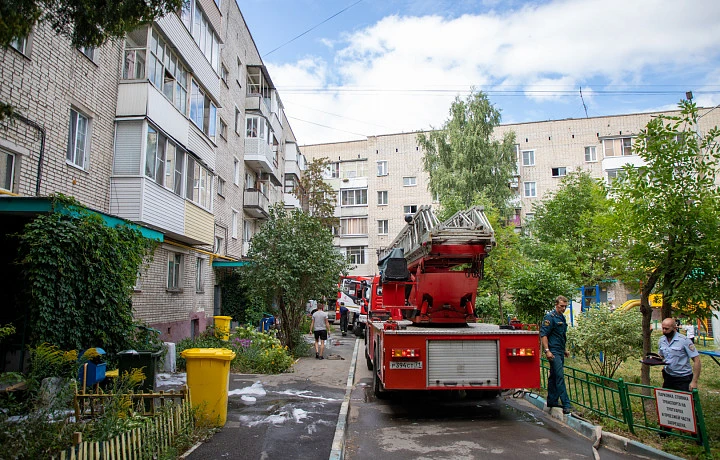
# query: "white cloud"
401, 73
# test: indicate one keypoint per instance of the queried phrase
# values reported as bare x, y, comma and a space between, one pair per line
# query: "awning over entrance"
229, 263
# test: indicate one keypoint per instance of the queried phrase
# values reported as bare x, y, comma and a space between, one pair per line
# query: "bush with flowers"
255, 352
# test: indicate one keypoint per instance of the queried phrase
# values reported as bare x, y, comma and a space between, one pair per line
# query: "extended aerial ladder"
431, 270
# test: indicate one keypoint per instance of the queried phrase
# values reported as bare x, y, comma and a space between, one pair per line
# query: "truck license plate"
405, 364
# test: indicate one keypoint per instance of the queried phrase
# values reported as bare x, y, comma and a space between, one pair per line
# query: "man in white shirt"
690, 331
320, 327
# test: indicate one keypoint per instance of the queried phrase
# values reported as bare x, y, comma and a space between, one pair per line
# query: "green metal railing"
630, 403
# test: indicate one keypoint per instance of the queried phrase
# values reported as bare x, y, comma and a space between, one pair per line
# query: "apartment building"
178, 129
381, 179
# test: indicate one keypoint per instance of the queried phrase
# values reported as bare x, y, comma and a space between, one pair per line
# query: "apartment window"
224, 74
615, 174
203, 111
174, 273
219, 247
353, 197
355, 254
410, 209
257, 127
20, 44
559, 172
199, 275
528, 157
353, 226
333, 170
155, 155
221, 187
239, 72
621, 146
382, 227
529, 217
134, 65
7, 170
352, 169
88, 51
234, 225
590, 154
409, 181
79, 139
165, 71
223, 128
530, 190
201, 29
382, 168
382, 198
247, 231
236, 171
198, 187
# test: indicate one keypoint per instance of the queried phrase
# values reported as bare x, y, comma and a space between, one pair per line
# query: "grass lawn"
709, 390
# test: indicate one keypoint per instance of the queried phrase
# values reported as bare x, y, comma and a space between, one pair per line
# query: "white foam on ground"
256, 389
305, 394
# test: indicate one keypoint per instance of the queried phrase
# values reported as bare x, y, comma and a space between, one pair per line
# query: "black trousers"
343, 321
672, 382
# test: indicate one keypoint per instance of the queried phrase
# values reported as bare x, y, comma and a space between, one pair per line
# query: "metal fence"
630, 403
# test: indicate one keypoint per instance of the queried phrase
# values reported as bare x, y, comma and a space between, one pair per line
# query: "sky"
348, 69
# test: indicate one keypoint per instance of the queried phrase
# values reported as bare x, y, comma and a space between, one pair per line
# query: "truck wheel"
358, 330
368, 361
377, 384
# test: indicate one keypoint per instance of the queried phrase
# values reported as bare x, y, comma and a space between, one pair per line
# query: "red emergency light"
405, 353
520, 352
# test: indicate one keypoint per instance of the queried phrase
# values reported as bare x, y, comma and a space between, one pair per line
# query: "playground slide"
629, 304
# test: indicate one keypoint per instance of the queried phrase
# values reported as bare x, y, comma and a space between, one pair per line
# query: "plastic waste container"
222, 326
147, 361
208, 378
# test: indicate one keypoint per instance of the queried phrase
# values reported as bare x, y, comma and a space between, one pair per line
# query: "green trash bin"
147, 361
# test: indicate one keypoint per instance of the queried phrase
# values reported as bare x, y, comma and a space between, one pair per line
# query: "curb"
607, 439
338, 445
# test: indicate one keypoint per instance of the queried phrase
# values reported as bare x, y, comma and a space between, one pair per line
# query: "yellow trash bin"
222, 326
208, 377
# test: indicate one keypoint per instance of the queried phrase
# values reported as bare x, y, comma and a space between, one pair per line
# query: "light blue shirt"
677, 354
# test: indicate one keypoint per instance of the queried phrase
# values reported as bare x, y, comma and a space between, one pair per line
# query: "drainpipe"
41, 130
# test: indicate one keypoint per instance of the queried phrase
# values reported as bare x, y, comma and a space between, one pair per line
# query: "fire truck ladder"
470, 227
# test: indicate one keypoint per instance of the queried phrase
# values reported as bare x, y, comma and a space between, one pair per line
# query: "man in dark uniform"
553, 335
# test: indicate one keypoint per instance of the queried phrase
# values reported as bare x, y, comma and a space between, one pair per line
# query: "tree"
79, 275
293, 261
463, 160
667, 217
534, 288
84, 23
570, 229
606, 339
318, 194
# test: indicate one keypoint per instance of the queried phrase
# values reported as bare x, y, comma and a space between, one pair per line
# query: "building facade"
178, 129
381, 179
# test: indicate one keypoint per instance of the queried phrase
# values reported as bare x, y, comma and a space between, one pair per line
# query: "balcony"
255, 204
291, 201
261, 158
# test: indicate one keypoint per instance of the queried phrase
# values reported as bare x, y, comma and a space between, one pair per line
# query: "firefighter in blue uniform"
553, 335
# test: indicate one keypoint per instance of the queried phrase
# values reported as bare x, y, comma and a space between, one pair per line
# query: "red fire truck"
354, 292
422, 332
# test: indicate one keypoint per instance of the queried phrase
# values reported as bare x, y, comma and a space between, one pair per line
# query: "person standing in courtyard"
319, 326
553, 336
343, 318
690, 331
677, 352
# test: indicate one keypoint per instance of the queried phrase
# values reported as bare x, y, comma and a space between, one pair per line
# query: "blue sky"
391, 66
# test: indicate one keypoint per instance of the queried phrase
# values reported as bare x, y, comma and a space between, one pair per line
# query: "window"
203, 111
614, 174
20, 44
382, 198
7, 170
198, 187
409, 181
155, 156
201, 29
88, 51
333, 170
410, 209
382, 227
621, 146
353, 197
355, 254
352, 169
223, 129
528, 157
221, 187
236, 171
224, 74
134, 65
353, 226
590, 154
382, 168
530, 189
174, 273
247, 231
239, 72
529, 217
234, 225
199, 275
559, 172
219, 247
165, 71
79, 139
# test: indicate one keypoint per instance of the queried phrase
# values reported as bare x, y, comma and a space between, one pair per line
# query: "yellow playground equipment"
656, 302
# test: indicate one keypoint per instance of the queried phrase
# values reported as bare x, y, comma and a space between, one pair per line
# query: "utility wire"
328, 127
312, 28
